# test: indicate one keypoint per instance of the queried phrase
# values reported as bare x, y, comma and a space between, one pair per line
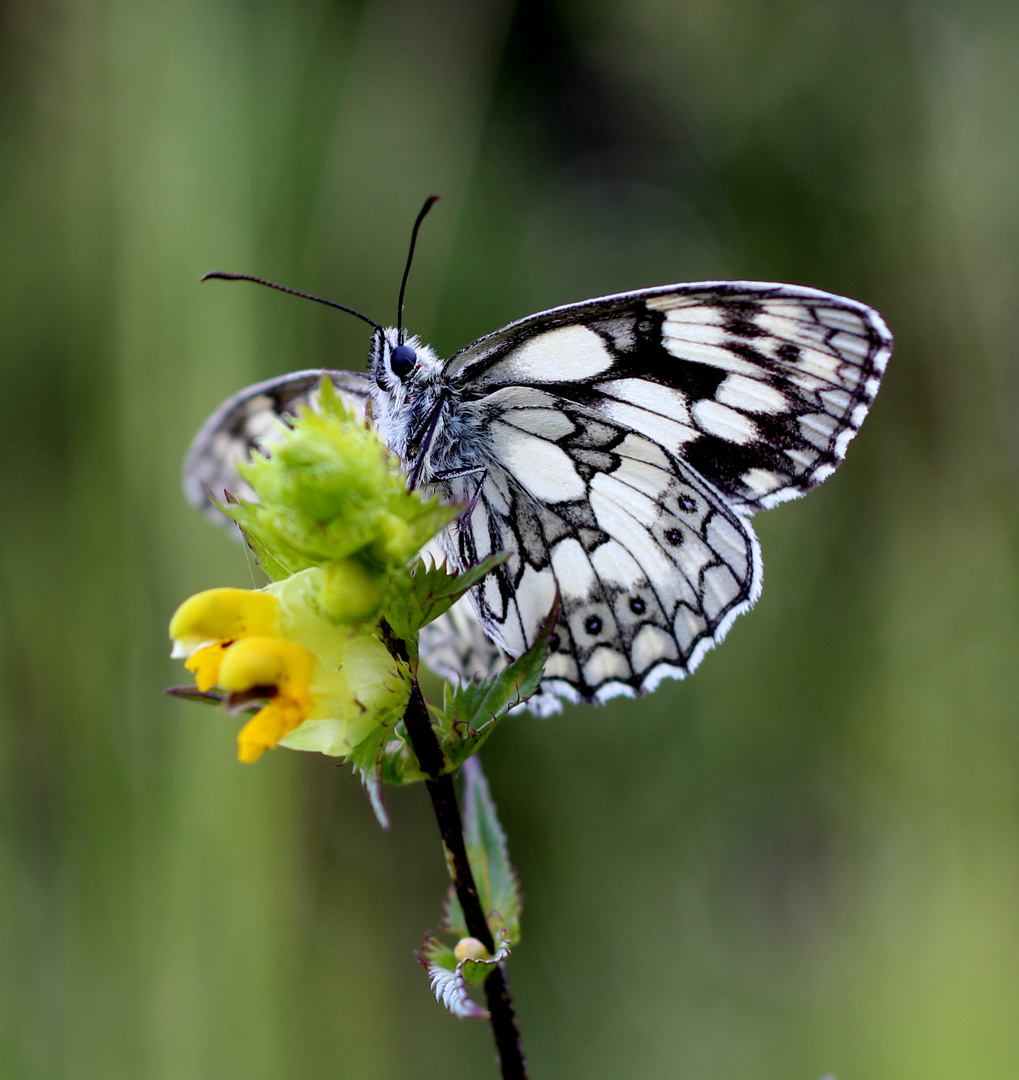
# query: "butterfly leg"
455, 474
479, 471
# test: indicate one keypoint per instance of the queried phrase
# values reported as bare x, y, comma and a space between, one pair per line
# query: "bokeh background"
805, 860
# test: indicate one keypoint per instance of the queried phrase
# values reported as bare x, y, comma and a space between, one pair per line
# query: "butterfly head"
407, 376
401, 367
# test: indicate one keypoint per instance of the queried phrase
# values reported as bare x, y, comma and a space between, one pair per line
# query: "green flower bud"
349, 592
469, 948
330, 491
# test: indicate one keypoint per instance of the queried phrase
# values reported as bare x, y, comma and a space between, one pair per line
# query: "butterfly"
616, 448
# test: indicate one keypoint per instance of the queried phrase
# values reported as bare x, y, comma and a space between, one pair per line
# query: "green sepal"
269, 563
436, 951
432, 591
494, 876
272, 566
398, 762
470, 713
386, 752
476, 971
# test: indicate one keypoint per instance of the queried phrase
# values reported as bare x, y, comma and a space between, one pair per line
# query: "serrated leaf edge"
449, 985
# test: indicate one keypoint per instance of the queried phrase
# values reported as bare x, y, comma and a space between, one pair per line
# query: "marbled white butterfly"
617, 448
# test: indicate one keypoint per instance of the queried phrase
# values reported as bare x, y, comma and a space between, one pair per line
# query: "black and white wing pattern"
617, 448
457, 647
759, 387
627, 441
650, 563
247, 423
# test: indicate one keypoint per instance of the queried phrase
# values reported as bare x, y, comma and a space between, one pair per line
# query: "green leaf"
469, 713
450, 978
432, 591
366, 757
494, 876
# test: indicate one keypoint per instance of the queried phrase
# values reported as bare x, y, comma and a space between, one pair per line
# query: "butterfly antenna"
293, 292
429, 203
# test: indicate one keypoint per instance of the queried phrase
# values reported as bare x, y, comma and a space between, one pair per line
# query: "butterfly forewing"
759, 387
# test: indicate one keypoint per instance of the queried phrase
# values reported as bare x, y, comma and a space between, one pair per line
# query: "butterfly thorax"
421, 415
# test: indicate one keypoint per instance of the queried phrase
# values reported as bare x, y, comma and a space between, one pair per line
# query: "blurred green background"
804, 860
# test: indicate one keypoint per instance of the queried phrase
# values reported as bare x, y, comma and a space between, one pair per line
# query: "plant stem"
447, 814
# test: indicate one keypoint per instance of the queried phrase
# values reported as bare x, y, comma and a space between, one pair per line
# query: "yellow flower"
268, 667
335, 524
221, 613
326, 687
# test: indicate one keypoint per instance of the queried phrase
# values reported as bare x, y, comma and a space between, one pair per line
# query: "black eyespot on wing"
674, 537
637, 605
402, 360
592, 624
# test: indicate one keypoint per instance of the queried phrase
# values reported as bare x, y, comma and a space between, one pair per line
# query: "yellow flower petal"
265, 729
268, 661
222, 615
285, 670
205, 664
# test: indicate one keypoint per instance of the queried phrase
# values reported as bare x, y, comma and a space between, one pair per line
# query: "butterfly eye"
402, 361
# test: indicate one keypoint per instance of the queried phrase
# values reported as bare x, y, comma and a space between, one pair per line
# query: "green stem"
447, 814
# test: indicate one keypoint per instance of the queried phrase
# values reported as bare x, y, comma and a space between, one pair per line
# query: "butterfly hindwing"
249, 420
649, 562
